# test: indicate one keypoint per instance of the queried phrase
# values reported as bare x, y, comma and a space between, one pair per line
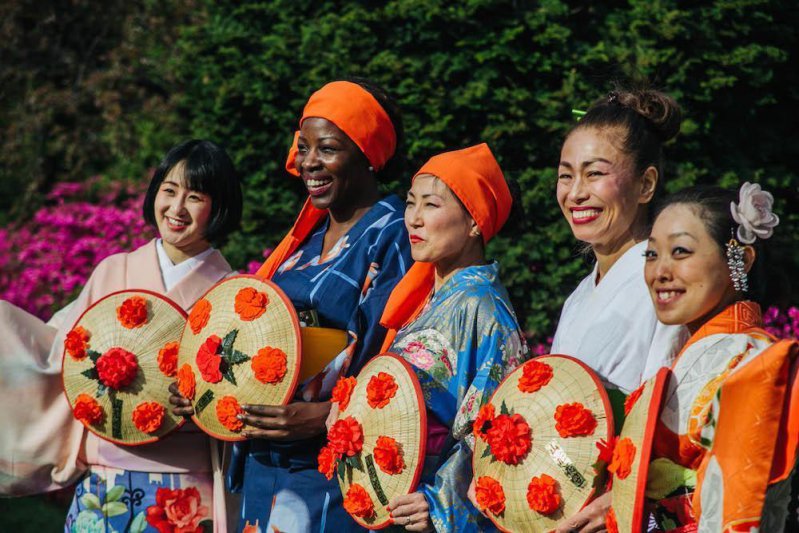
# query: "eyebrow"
586, 163
675, 235
426, 195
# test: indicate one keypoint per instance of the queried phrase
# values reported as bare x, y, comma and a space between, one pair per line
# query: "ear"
749, 257
649, 182
474, 230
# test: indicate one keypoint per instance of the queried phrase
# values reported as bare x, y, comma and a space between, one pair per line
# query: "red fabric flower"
227, 409
342, 392
186, 383
606, 449
358, 503
388, 455
630, 400
346, 437
177, 511
133, 312
535, 375
77, 342
327, 462
623, 457
380, 390
574, 420
483, 421
168, 359
269, 366
199, 315
489, 495
509, 438
610, 521
148, 416
117, 368
208, 360
542, 495
250, 303
87, 410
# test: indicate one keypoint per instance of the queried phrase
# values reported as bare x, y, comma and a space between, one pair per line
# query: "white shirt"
612, 326
171, 273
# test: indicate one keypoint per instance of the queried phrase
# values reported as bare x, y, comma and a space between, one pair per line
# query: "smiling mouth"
175, 224
584, 216
318, 186
665, 297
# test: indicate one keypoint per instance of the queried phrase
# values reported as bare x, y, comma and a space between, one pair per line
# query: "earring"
735, 260
371, 168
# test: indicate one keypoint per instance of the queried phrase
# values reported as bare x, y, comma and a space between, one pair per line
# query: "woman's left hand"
411, 511
590, 519
295, 421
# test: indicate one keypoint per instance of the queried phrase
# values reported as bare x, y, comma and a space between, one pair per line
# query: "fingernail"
240, 417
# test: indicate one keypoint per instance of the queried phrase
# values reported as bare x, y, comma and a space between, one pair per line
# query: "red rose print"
177, 511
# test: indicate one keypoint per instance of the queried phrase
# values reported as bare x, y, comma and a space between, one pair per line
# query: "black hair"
209, 170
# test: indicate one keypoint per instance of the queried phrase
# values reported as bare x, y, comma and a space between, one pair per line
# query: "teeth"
176, 222
578, 215
317, 183
666, 295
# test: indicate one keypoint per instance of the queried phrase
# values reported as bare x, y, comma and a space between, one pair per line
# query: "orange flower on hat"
133, 312
250, 303
342, 391
485, 416
630, 400
358, 503
509, 438
606, 449
168, 359
227, 409
117, 368
327, 462
574, 420
610, 521
199, 315
87, 410
489, 495
388, 455
77, 342
148, 416
542, 495
345, 437
381, 388
186, 382
208, 360
623, 457
535, 375
269, 365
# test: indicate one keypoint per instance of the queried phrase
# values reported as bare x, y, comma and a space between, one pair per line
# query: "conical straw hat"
119, 359
550, 466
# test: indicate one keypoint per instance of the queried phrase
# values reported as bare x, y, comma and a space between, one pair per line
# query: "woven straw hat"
552, 465
629, 482
394, 428
241, 345
119, 359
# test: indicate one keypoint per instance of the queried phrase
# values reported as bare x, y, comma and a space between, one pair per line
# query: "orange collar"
738, 317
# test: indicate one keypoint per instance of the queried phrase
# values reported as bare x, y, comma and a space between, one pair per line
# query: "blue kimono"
461, 346
347, 288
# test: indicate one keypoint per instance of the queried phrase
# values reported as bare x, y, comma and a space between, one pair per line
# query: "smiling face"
686, 270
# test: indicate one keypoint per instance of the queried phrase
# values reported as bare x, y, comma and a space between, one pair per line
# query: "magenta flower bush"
782, 324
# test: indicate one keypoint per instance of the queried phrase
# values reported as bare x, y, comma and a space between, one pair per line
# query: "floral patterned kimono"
725, 443
461, 346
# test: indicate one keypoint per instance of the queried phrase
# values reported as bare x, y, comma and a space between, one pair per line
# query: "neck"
725, 302
445, 269
608, 253
178, 255
342, 218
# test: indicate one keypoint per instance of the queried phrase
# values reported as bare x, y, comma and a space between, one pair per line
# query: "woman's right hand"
180, 406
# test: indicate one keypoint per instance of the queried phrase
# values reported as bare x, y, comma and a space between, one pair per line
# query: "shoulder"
483, 300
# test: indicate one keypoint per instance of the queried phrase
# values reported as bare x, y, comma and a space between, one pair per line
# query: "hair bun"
660, 109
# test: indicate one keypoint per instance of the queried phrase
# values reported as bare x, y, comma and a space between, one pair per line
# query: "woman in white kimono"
193, 199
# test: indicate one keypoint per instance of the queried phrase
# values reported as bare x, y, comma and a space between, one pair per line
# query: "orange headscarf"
474, 176
358, 114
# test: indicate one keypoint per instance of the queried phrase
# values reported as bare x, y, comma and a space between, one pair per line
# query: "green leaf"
235, 357
101, 390
93, 355
208, 526
227, 373
90, 501
91, 373
115, 493
114, 509
227, 342
341, 469
486, 452
139, 523
503, 409
203, 402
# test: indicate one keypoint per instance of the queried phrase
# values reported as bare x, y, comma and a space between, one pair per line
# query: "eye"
168, 189
302, 148
595, 174
431, 204
650, 255
679, 251
328, 149
564, 176
408, 202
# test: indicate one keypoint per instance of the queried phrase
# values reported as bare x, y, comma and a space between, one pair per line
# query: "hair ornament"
578, 113
754, 214
735, 260
613, 97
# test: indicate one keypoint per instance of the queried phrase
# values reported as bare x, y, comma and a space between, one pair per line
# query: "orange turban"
474, 176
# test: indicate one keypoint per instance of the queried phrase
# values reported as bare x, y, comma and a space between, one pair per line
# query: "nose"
309, 160
177, 205
663, 269
578, 192
412, 216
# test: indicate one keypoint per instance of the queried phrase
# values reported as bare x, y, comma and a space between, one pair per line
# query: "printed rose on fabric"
610, 521
133, 312
483, 421
178, 510
509, 438
87, 410
381, 388
418, 355
630, 400
542, 495
388, 455
269, 365
342, 392
358, 503
168, 359
208, 360
327, 462
186, 382
489, 495
117, 368
250, 303
252, 528
535, 375
345, 437
623, 457
574, 420
199, 315
227, 409
148, 416
76, 343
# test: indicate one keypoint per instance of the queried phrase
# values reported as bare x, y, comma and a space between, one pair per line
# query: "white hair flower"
753, 213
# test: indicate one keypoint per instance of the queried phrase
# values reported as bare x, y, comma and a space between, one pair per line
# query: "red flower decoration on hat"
199, 315
250, 303
623, 457
133, 312
168, 359
630, 400
489, 495
87, 410
227, 409
77, 342
342, 391
485, 416
345, 437
542, 495
327, 462
208, 361
574, 420
269, 365
606, 449
117, 368
148, 416
186, 382
509, 438
535, 375
358, 503
388, 455
381, 388
610, 521
177, 511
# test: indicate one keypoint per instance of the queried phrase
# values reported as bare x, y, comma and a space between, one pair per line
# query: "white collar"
171, 273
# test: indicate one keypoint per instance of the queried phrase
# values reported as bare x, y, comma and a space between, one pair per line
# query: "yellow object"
319, 347
665, 477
